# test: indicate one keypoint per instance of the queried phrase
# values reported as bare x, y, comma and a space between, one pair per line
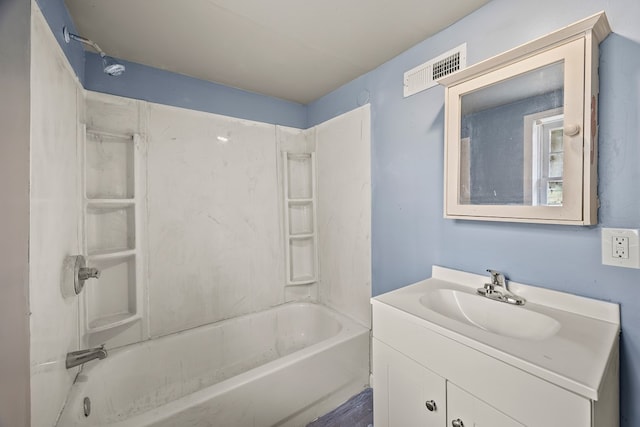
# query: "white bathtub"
280, 367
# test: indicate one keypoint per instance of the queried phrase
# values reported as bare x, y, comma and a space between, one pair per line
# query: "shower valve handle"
81, 273
85, 273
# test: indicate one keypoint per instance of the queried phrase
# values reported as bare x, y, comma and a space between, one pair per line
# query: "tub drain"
87, 406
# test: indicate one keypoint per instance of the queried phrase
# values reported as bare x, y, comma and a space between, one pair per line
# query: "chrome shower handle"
85, 273
81, 273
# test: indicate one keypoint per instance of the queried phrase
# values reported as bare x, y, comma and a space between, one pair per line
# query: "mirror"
512, 140
520, 131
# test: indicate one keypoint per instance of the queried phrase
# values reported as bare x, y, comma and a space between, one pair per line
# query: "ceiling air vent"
424, 76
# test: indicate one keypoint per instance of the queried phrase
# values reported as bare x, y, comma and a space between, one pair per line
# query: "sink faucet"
497, 279
492, 290
80, 357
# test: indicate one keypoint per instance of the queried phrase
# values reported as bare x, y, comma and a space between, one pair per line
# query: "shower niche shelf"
110, 228
301, 237
116, 302
112, 212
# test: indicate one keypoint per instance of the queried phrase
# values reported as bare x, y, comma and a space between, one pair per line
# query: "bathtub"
280, 367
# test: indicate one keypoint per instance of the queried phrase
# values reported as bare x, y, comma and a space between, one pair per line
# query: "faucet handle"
497, 278
85, 273
81, 273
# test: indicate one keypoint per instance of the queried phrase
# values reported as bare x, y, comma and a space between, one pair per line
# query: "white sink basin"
493, 316
565, 339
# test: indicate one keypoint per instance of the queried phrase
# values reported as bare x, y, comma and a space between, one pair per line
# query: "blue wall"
409, 234
163, 87
57, 16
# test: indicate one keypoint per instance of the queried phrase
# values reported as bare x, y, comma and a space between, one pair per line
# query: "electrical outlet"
620, 247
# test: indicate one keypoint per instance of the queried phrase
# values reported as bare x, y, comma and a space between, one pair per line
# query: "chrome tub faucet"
80, 357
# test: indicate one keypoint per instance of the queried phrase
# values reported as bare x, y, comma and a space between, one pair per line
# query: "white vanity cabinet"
521, 131
466, 410
432, 369
406, 393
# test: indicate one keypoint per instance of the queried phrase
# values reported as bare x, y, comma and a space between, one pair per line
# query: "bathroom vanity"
444, 355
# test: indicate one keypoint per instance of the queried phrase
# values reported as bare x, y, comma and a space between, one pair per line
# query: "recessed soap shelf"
301, 217
110, 203
109, 165
112, 321
302, 268
112, 223
300, 168
299, 184
111, 254
110, 228
114, 300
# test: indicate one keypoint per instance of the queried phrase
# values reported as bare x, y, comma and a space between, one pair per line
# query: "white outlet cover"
608, 234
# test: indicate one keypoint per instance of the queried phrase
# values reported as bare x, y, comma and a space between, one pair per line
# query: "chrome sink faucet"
80, 357
497, 279
498, 290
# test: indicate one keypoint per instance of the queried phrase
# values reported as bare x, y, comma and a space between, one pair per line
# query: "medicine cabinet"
521, 131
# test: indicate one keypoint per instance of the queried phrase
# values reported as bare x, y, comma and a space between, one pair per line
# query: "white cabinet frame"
577, 46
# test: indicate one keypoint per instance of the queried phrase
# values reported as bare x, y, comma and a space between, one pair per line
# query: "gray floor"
356, 412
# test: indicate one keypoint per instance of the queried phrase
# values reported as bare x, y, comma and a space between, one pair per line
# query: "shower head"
112, 67
109, 65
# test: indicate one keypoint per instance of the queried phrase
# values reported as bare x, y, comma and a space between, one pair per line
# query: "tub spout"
80, 357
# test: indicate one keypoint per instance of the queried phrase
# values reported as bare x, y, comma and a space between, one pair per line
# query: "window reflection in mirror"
511, 141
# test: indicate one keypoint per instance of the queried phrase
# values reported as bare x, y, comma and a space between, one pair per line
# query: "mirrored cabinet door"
515, 141
512, 140
521, 131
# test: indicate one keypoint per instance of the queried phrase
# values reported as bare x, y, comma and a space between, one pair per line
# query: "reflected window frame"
537, 151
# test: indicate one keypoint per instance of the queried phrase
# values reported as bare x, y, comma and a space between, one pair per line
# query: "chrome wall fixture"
81, 273
109, 65
80, 357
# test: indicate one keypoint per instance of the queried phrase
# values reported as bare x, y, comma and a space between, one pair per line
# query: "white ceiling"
297, 50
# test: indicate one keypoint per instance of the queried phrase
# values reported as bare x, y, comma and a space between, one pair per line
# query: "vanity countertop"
573, 353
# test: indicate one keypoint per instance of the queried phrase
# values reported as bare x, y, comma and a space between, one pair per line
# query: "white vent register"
425, 75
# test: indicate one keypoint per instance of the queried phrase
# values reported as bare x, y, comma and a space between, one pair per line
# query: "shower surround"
209, 240
213, 228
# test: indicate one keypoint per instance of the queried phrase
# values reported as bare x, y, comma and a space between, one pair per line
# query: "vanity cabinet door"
405, 393
467, 411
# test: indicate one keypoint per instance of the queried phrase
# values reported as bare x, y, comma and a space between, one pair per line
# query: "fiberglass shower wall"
326, 186
202, 221
343, 146
214, 230
54, 221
